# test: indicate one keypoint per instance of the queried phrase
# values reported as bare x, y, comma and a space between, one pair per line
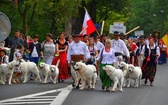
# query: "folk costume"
149, 67
62, 56
162, 58
107, 58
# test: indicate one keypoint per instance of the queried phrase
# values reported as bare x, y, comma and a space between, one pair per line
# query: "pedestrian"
3, 56
140, 44
29, 40
132, 49
17, 74
162, 58
77, 51
86, 39
14, 42
49, 48
61, 54
103, 38
150, 53
120, 48
97, 43
35, 51
93, 52
107, 56
70, 39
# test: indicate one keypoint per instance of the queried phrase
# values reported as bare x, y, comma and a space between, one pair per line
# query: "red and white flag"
89, 24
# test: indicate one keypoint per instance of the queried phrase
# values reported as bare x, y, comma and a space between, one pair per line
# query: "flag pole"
102, 27
83, 30
132, 30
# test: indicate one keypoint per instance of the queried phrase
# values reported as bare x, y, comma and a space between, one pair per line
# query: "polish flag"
88, 24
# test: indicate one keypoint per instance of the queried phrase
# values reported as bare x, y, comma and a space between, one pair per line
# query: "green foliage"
149, 16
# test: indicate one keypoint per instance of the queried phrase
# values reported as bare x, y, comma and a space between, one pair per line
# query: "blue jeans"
35, 60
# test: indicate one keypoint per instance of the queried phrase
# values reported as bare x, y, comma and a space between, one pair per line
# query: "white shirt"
162, 46
146, 42
120, 46
153, 47
79, 48
107, 57
99, 45
34, 52
6, 59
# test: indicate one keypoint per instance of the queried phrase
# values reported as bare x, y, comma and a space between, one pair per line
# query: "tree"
147, 14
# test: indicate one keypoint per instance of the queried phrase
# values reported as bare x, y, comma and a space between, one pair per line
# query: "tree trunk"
93, 10
68, 26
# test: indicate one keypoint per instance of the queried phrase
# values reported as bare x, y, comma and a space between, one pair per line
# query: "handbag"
40, 60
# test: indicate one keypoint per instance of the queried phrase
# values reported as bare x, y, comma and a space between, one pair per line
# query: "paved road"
34, 93
145, 95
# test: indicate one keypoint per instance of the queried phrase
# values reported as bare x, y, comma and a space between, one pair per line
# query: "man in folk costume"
77, 51
140, 44
150, 53
120, 48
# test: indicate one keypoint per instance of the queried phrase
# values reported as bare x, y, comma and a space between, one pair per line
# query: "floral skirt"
63, 65
149, 72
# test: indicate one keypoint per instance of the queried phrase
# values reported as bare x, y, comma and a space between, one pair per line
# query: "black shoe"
103, 87
145, 81
62, 80
77, 87
73, 85
59, 80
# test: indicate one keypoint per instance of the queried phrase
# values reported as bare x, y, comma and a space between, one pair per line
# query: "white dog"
49, 70
134, 73
116, 75
26, 68
75, 75
6, 71
124, 67
87, 73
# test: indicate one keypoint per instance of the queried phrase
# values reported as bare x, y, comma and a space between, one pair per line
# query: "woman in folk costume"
162, 58
107, 54
61, 49
150, 53
93, 52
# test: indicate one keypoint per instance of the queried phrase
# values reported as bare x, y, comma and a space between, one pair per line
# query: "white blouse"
153, 47
99, 45
107, 57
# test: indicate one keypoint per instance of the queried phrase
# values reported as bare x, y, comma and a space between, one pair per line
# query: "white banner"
119, 28
139, 33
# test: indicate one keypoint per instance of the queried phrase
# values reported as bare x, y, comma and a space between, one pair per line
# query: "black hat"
104, 34
141, 37
76, 35
116, 33
3, 50
122, 34
96, 36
